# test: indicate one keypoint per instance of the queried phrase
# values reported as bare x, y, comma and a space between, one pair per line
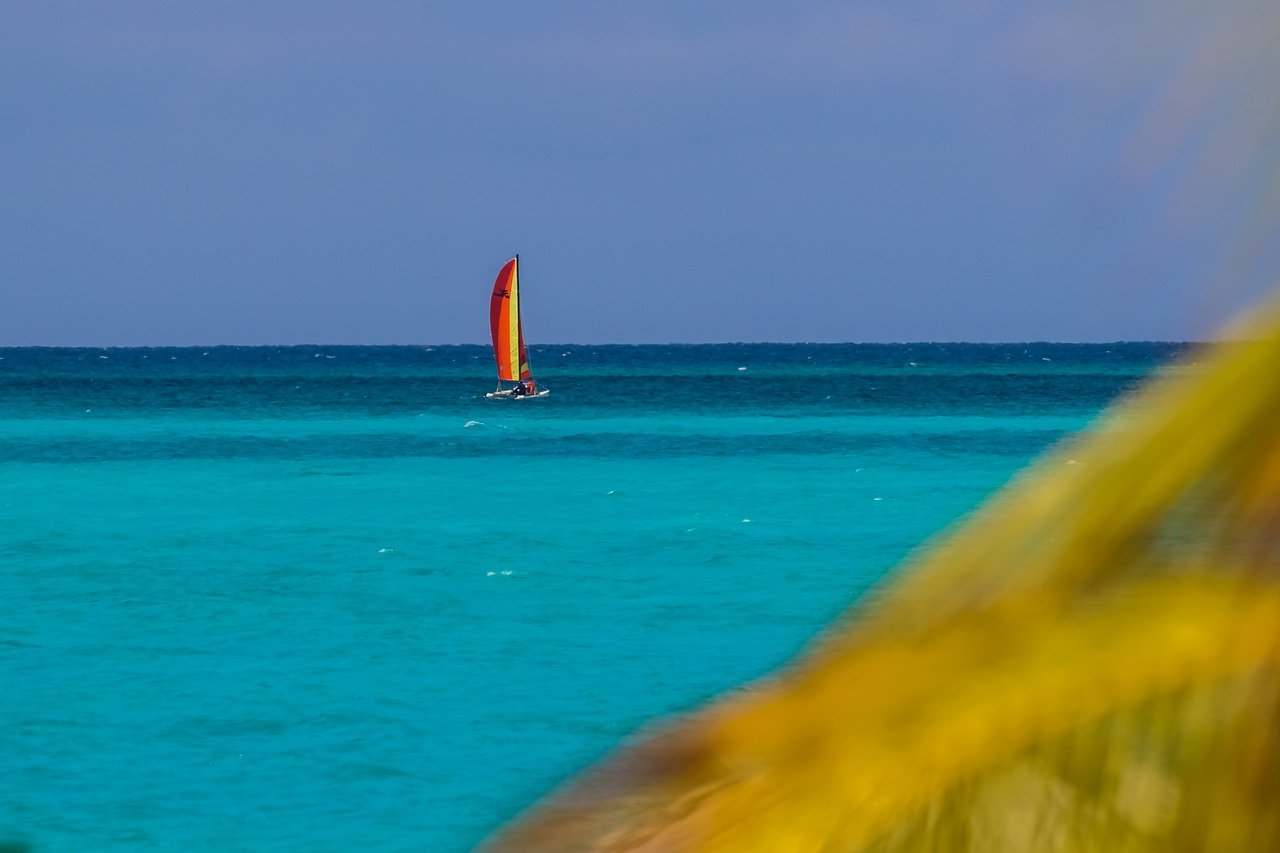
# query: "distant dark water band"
482, 443
622, 356
578, 395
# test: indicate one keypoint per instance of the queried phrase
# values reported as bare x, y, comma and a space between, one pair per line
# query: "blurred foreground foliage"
1089, 662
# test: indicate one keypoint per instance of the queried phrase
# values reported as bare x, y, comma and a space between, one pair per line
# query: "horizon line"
486, 344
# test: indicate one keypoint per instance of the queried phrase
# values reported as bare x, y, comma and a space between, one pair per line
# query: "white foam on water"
472, 423
609, 492
386, 550
877, 499
742, 368
746, 521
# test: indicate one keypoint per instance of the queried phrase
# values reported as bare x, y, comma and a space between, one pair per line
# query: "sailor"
520, 390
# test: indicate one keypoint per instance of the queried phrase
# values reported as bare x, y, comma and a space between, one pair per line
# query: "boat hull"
509, 395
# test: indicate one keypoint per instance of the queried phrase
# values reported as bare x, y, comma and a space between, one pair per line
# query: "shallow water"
318, 598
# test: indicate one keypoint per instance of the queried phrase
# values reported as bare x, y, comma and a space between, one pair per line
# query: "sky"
181, 173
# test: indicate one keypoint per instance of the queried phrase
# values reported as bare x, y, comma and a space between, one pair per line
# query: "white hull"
511, 395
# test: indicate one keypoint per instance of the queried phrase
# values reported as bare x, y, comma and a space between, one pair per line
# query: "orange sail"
504, 324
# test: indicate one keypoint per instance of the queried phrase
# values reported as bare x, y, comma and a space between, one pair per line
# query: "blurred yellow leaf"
1090, 662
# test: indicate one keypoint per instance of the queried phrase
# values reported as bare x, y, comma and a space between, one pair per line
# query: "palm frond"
1090, 661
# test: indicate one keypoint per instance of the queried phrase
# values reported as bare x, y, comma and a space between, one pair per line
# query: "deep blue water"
323, 598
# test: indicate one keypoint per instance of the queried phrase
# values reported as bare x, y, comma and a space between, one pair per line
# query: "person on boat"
521, 390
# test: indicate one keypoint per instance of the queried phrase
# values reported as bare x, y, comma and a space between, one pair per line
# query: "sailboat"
508, 337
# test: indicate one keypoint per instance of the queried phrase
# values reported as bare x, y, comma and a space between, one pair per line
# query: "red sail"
504, 324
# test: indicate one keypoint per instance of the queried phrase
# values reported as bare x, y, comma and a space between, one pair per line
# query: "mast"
523, 353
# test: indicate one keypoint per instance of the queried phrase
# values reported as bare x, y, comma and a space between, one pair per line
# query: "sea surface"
331, 598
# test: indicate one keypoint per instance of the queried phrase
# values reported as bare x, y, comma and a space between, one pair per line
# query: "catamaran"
508, 337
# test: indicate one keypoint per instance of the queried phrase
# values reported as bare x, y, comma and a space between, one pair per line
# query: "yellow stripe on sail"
513, 323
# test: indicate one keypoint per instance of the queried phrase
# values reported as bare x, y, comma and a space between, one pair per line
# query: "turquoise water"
323, 598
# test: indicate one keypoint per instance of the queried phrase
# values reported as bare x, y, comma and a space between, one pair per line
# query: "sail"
504, 324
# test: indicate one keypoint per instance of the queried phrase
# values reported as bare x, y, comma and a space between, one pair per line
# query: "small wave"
472, 423
378, 771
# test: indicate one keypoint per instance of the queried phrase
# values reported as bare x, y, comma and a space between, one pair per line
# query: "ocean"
331, 598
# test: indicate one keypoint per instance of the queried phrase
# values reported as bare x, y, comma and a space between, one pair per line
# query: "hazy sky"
248, 172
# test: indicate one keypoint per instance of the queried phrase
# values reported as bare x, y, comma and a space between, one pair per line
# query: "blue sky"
196, 173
